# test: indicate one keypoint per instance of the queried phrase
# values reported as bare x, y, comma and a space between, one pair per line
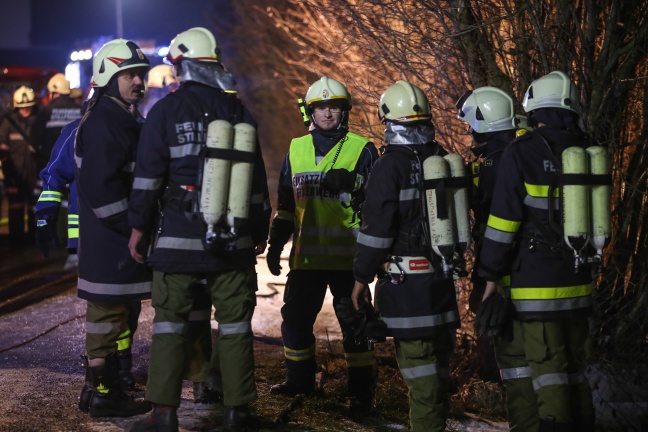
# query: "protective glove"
495, 317
46, 229
273, 258
345, 312
339, 180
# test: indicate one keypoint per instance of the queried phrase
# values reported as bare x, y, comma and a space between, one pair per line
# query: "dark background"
43, 33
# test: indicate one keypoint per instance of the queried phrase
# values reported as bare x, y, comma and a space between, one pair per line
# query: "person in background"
321, 181
19, 167
552, 299
159, 82
492, 122
188, 255
415, 299
111, 282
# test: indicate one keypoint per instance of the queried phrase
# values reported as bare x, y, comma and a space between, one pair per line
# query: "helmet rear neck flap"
409, 133
212, 74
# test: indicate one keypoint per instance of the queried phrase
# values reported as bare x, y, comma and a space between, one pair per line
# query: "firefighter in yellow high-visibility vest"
321, 180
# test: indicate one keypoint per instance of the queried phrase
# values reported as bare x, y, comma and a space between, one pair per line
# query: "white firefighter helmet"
197, 44
404, 102
487, 109
553, 90
160, 76
58, 84
116, 56
325, 90
24, 97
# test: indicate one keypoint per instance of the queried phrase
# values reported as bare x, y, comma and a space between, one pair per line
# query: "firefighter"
58, 179
413, 296
174, 168
61, 110
112, 283
321, 180
18, 164
159, 82
552, 301
492, 122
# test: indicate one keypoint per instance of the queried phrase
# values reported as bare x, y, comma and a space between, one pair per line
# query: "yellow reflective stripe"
540, 293
366, 358
299, 355
505, 282
475, 171
73, 233
540, 190
124, 340
503, 224
285, 215
101, 388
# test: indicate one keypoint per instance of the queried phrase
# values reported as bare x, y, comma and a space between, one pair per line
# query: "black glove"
345, 312
46, 229
273, 257
339, 180
495, 317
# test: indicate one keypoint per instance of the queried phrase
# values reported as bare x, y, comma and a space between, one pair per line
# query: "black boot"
108, 399
210, 390
238, 419
126, 378
362, 387
301, 379
86, 392
164, 418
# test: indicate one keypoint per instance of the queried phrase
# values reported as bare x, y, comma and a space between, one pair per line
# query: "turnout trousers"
233, 296
303, 298
424, 364
557, 353
521, 399
110, 327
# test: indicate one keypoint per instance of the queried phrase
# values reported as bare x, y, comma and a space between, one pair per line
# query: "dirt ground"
41, 374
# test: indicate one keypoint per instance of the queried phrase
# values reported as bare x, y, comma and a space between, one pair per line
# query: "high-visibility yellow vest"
325, 225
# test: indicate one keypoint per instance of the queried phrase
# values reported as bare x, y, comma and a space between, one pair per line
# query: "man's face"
131, 84
327, 115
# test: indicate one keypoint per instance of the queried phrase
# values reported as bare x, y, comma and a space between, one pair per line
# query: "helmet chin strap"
410, 134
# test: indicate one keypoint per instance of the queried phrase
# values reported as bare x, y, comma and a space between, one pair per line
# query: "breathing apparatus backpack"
583, 188
221, 199
444, 202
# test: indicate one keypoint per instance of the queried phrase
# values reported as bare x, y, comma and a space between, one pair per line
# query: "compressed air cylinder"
600, 199
442, 233
216, 175
240, 185
460, 201
576, 217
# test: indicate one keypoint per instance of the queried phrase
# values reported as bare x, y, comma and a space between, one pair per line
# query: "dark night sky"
61, 26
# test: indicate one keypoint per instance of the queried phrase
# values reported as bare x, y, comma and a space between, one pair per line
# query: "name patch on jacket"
307, 185
189, 132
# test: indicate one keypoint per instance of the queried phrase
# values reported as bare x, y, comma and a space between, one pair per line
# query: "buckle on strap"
398, 266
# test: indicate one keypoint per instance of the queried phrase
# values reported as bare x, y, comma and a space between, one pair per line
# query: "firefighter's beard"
211, 74
412, 134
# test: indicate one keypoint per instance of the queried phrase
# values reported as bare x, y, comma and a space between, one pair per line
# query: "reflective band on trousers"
421, 321
169, 327
420, 371
558, 379
235, 328
410, 265
299, 355
101, 328
515, 373
366, 358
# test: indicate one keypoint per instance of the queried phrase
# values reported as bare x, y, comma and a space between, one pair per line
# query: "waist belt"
409, 265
